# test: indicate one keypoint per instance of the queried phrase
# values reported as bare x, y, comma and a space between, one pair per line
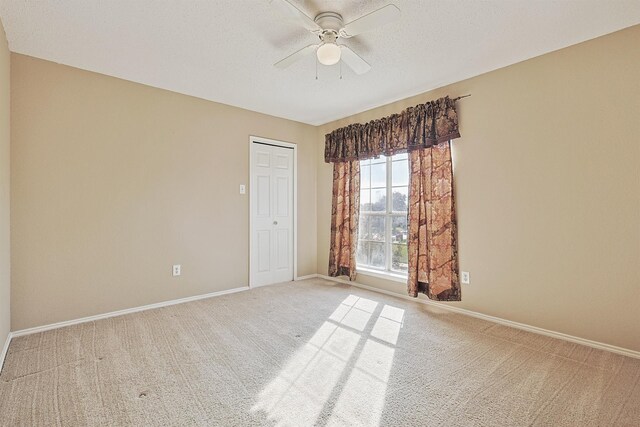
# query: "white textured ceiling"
224, 50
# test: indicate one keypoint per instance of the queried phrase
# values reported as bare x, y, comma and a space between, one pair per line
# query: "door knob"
275, 222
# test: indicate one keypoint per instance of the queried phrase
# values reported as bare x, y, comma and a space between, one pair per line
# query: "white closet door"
271, 194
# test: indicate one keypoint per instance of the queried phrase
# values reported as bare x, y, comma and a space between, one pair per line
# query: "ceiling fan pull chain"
316, 68
341, 69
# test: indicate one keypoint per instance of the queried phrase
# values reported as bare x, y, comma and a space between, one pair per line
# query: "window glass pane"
374, 250
400, 173
379, 200
376, 228
377, 255
362, 255
399, 229
365, 200
399, 259
400, 199
365, 176
379, 175
363, 227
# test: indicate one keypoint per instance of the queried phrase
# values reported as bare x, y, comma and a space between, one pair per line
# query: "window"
382, 234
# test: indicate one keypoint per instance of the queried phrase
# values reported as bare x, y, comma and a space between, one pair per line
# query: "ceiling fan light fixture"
329, 26
329, 53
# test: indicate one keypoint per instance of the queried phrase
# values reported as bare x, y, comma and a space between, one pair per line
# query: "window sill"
382, 275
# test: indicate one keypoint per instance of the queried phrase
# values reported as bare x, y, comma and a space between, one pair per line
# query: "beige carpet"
311, 353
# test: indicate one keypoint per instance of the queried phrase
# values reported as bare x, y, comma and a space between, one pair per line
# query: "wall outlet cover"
464, 277
177, 270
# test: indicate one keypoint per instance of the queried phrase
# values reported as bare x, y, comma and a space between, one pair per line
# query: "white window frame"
388, 214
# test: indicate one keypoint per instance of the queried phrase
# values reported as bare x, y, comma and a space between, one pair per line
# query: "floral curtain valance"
422, 126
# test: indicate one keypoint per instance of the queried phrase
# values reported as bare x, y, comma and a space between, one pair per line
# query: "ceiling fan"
329, 27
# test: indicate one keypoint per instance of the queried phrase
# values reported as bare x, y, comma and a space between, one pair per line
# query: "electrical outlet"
464, 277
243, 189
177, 270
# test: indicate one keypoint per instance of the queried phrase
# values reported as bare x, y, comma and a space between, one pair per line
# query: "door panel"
282, 162
272, 199
282, 237
264, 196
263, 159
264, 250
282, 196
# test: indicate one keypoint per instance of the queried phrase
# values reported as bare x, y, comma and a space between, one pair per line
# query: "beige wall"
113, 182
547, 182
5, 316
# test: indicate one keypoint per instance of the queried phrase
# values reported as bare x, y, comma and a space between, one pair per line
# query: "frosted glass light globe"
328, 54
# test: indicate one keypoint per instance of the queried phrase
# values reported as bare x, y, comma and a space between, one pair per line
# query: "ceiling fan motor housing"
331, 23
329, 27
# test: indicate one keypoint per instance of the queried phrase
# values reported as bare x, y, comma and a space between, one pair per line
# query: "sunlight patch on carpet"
342, 371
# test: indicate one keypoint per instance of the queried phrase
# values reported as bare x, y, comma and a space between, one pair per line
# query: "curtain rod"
460, 97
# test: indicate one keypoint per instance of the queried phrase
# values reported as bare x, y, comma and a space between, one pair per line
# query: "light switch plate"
243, 189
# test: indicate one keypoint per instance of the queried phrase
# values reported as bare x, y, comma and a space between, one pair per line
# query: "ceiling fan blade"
377, 18
296, 56
290, 10
353, 60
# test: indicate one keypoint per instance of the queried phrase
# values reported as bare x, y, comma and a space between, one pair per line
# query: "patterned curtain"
415, 128
432, 244
345, 209
425, 132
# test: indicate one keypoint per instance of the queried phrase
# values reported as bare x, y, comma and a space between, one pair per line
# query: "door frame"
258, 139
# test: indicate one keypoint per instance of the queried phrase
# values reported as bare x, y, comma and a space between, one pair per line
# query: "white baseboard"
444, 306
5, 349
44, 328
308, 276
57, 325
517, 325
